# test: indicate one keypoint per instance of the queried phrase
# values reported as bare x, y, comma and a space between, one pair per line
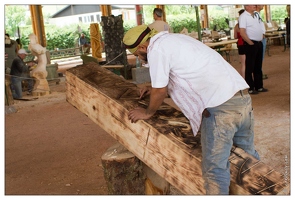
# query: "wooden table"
221, 43
220, 47
274, 34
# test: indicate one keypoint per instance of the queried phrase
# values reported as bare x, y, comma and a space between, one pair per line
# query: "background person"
288, 25
84, 44
240, 45
159, 24
206, 88
11, 49
258, 9
252, 34
20, 72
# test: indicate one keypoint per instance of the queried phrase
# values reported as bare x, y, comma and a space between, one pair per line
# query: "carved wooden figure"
39, 72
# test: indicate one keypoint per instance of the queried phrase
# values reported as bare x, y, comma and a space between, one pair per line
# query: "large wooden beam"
165, 142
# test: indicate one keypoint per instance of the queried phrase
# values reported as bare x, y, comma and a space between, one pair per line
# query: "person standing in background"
288, 25
11, 49
159, 25
240, 45
252, 34
257, 14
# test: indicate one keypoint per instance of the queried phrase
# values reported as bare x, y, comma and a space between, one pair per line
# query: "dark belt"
242, 92
255, 41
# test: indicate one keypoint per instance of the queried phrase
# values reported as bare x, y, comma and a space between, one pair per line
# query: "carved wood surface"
165, 142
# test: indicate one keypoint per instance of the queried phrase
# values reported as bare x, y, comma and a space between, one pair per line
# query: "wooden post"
204, 15
8, 95
267, 13
139, 16
38, 23
123, 172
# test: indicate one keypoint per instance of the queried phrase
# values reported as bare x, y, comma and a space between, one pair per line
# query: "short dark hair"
158, 12
241, 11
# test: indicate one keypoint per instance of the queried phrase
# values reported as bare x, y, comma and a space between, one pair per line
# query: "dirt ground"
51, 148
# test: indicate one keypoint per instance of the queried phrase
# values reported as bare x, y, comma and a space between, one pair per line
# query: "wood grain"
165, 142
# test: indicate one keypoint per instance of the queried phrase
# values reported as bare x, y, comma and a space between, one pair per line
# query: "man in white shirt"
159, 25
252, 33
207, 89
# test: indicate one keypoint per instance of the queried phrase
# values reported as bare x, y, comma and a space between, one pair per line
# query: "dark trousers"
253, 73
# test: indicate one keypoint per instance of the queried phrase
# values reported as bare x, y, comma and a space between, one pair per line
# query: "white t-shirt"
159, 26
197, 76
253, 28
260, 21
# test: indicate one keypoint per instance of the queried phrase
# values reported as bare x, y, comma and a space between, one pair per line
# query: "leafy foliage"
14, 17
178, 17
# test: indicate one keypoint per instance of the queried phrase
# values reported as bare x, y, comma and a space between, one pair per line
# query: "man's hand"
145, 91
157, 96
138, 113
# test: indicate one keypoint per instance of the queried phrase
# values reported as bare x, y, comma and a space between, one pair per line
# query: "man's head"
250, 8
136, 39
157, 13
259, 8
82, 35
22, 53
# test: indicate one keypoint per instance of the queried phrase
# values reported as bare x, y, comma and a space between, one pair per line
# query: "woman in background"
240, 45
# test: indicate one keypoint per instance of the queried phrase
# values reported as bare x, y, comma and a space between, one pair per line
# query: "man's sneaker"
252, 92
262, 90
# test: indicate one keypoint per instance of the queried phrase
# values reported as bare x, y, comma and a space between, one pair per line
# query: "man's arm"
157, 97
245, 36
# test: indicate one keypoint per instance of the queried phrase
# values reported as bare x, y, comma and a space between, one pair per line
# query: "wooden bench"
270, 39
226, 49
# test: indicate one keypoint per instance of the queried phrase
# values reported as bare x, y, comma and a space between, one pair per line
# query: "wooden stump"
123, 172
8, 95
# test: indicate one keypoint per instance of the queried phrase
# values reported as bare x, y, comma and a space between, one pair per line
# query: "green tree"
15, 16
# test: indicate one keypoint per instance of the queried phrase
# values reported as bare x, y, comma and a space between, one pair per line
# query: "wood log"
165, 142
123, 171
8, 94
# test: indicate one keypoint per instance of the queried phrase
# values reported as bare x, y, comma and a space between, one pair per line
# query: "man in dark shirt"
84, 44
288, 25
19, 72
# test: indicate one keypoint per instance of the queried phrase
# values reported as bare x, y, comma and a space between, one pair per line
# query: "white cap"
22, 51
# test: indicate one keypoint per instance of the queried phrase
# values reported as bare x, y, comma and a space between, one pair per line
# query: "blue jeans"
16, 86
264, 47
231, 123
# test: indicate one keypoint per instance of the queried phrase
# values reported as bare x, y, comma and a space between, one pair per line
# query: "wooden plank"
165, 142
113, 66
